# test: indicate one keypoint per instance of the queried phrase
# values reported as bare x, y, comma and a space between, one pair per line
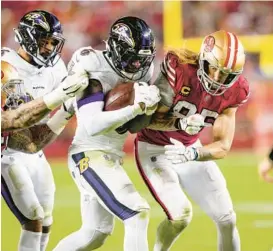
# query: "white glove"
178, 153
193, 124
149, 95
70, 87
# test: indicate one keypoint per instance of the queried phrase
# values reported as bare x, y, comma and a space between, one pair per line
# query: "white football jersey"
37, 81
99, 67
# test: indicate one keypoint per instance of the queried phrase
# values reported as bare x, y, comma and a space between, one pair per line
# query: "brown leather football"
122, 95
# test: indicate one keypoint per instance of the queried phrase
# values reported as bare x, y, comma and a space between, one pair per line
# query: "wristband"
53, 99
58, 122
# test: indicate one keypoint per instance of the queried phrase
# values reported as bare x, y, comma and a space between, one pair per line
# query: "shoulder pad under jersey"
241, 92
168, 68
175, 72
87, 58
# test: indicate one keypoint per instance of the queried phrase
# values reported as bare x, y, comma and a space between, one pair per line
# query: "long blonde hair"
185, 56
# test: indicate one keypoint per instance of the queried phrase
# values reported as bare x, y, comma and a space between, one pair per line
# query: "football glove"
178, 153
70, 87
148, 95
192, 125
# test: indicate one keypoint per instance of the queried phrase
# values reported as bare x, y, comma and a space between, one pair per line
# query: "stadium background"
175, 24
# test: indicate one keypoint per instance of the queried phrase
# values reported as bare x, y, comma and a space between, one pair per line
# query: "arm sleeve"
96, 121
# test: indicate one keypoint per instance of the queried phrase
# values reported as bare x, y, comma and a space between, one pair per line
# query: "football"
121, 96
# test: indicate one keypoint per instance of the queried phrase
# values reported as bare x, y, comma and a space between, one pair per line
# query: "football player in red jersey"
196, 91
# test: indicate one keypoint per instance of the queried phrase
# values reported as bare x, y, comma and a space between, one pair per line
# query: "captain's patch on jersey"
185, 91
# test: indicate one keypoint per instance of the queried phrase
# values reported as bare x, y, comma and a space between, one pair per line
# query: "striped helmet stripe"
236, 51
231, 50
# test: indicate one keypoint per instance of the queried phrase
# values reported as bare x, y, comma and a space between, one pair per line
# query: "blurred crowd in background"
240, 17
87, 23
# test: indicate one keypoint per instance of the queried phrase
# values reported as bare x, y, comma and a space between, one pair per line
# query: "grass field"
253, 201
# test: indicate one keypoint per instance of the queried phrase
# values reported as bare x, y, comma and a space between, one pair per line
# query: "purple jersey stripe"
104, 192
8, 199
99, 96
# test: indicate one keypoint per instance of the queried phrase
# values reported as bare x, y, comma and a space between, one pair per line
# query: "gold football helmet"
11, 87
221, 61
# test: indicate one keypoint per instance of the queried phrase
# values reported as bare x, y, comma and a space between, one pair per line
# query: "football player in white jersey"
27, 182
95, 156
16, 115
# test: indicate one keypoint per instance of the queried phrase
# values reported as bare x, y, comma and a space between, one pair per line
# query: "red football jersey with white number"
190, 97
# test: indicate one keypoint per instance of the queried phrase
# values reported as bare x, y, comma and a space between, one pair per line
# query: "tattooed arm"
162, 120
31, 140
32, 112
35, 138
24, 116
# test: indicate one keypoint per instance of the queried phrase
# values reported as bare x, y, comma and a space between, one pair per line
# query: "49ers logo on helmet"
209, 43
